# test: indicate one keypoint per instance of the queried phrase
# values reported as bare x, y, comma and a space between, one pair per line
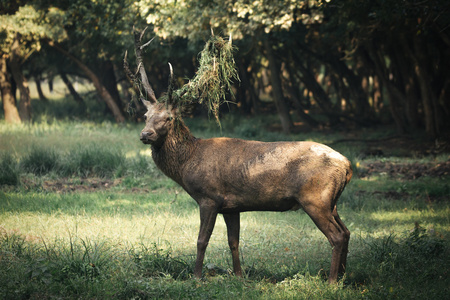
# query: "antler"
128, 72
171, 86
149, 93
140, 64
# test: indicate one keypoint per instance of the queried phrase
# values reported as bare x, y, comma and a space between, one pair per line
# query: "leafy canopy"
193, 19
32, 25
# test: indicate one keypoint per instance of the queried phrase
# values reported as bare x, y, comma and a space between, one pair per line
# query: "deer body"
229, 176
244, 175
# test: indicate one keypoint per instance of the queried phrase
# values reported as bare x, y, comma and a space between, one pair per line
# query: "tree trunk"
251, 101
280, 101
21, 81
50, 84
100, 88
395, 96
363, 109
377, 94
106, 74
320, 96
429, 101
403, 57
444, 95
293, 91
37, 81
9, 104
71, 89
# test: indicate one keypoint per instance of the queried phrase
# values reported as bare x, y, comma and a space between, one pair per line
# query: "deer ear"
147, 104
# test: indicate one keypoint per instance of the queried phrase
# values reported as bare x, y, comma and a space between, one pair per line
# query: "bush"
9, 170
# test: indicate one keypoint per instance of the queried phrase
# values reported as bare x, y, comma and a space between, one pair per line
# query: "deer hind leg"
338, 235
233, 228
343, 261
207, 221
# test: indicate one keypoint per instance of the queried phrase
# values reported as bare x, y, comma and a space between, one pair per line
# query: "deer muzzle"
147, 137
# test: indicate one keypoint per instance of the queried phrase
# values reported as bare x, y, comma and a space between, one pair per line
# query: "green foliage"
86, 23
194, 19
28, 22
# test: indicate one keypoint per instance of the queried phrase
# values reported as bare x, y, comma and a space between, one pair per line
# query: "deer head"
159, 120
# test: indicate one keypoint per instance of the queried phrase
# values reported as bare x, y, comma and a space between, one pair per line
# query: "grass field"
84, 213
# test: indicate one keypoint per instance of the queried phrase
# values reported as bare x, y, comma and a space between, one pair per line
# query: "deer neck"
175, 151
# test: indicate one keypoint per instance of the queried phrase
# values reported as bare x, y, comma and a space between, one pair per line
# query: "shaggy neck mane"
176, 149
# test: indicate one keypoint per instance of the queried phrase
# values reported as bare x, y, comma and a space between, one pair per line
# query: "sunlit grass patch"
64, 135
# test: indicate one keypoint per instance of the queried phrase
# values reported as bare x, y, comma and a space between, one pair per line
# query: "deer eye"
145, 118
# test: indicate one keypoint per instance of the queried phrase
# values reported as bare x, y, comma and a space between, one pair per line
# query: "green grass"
107, 244
137, 239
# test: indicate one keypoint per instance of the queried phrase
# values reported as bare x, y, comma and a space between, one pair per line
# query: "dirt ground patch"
67, 185
402, 146
408, 171
398, 145
81, 185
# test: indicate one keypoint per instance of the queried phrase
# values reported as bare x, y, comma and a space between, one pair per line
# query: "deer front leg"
208, 217
233, 228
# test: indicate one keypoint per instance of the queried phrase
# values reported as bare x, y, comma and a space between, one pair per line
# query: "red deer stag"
230, 176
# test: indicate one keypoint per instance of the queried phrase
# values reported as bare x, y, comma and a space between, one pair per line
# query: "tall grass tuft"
397, 263
92, 160
40, 161
83, 160
9, 170
154, 262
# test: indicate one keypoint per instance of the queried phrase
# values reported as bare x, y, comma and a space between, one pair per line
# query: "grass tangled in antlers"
210, 85
214, 78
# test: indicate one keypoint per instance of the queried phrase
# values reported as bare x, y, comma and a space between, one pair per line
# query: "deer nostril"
145, 135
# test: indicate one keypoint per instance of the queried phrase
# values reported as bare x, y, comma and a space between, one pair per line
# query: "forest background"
332, 64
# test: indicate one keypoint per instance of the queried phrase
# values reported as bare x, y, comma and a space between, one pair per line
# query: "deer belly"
257, 204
